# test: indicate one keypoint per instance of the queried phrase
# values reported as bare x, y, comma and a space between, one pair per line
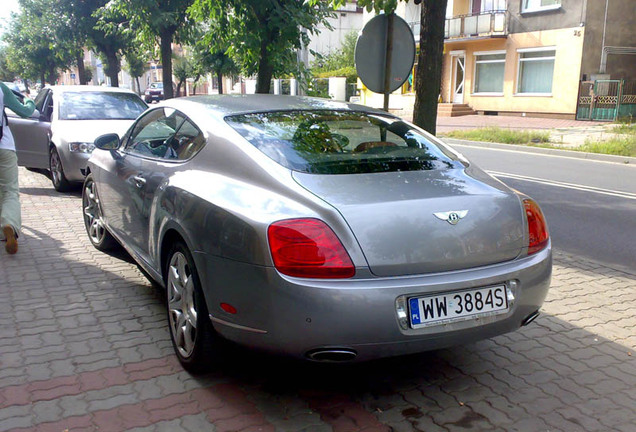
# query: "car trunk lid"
425, 221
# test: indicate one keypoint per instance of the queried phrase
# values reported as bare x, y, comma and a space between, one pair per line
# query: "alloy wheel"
56, 167
182, 309
92, 214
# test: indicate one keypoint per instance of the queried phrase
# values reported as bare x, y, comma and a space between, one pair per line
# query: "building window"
536, 68
539, 5
489, 72
492, 5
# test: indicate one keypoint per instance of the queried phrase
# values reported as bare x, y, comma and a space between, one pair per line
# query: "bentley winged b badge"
452, 217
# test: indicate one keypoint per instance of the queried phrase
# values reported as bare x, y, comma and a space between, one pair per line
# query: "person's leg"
10, 216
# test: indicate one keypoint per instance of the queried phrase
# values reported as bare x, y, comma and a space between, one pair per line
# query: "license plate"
457, 306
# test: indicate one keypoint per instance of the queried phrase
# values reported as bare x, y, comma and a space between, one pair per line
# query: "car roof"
224, 105
11, 85
87, 88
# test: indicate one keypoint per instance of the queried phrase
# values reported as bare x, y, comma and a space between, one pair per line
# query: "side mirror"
107, 142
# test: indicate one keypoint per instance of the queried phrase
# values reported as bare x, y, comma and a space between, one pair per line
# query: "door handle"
139, 181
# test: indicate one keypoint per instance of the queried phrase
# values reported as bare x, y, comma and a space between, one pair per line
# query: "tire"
60, 183
193, 337
93, 221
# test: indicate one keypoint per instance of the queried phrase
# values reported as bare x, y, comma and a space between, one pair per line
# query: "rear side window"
334, 142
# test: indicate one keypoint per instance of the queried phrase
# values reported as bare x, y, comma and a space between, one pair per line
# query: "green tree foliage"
153, 21
50, 35
263, 36
340, 58
216, 61
6, 70
340, 62
182, 70
135, 64
108, 34
36, 49
72, 28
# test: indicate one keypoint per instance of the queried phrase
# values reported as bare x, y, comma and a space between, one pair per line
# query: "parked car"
154, 92
322, 230
59, 135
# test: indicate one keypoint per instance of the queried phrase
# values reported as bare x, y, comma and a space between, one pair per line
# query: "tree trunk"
52, 77
166, 63
113, 68
429, 64
138, 85
42, 80
219, 77
80, 67
194, 84
265, 70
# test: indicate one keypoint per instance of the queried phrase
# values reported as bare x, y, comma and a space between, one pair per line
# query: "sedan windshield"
335, 142
100, 106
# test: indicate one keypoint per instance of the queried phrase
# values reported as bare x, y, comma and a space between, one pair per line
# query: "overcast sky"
7, 7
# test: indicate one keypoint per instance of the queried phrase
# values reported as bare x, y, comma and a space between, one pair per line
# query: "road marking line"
583, 188
584, 159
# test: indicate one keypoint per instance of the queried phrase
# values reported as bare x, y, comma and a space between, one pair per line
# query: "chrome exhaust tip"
332, 355
527, 320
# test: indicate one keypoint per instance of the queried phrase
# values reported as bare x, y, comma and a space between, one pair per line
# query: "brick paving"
84, 346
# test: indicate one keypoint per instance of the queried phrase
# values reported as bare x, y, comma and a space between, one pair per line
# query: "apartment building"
557, 58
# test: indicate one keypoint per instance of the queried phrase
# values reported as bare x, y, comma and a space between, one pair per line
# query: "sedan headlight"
81, 147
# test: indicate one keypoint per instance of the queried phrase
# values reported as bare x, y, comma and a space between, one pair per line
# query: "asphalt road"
590, 205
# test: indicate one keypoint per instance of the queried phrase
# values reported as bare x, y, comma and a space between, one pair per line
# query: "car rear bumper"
299, 316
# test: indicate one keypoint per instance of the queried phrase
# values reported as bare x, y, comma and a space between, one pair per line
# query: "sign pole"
388, 58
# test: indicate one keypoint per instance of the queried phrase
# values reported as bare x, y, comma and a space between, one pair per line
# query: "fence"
606, 100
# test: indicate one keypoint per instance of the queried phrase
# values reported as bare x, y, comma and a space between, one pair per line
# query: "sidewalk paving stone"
84, 346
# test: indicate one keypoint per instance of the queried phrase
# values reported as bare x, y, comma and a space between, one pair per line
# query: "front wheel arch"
170, 237
58, 178
193, 337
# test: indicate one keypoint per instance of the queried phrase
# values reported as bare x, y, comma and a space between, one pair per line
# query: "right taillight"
537, 228
308, 248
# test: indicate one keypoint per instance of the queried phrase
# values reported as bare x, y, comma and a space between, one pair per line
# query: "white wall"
348, 19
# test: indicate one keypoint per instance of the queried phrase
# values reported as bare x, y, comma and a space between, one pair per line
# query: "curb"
548, 151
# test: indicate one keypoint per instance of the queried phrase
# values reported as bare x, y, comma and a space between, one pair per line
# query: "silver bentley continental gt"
316, 229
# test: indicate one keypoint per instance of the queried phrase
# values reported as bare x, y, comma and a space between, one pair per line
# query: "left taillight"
537, 228
308, 248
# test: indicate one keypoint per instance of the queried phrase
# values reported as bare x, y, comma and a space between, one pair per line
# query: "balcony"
476, 26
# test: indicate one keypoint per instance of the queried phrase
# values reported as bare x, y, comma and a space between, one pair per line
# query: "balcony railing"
477, 25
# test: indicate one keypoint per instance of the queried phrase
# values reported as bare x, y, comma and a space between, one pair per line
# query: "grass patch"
625, 129
621, 146
498, 135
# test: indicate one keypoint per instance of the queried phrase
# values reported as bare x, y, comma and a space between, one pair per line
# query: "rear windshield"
100, 106
334, 142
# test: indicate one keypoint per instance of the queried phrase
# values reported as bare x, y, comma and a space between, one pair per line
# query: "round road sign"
371, 48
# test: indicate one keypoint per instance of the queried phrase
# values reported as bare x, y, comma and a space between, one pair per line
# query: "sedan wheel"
190, 328
57, 172
93, 222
